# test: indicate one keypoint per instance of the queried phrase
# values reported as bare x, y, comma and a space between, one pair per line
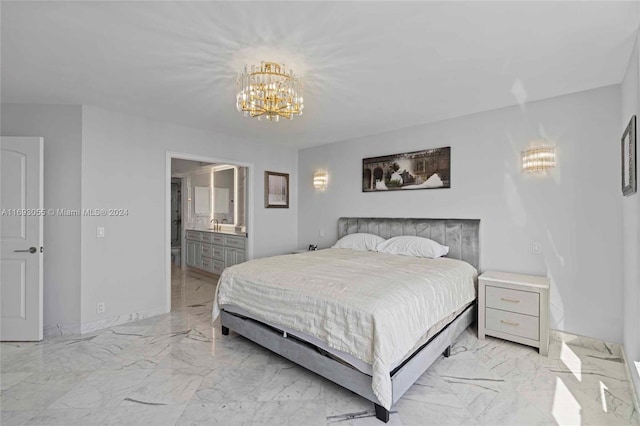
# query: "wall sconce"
538, 159
320, 180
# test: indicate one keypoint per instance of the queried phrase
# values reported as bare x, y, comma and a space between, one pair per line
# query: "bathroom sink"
222, 231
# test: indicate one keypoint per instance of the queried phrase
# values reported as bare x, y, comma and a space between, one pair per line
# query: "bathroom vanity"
212, 251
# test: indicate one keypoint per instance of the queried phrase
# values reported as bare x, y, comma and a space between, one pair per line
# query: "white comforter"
374, 306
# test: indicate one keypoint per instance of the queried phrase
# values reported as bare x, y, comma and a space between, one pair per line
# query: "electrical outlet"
101, 308
100, 232
536, 247
321, 233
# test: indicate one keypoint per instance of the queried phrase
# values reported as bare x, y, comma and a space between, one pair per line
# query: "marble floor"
176, 369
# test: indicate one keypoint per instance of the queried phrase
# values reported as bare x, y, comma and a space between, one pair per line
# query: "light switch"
536, 248
100, 232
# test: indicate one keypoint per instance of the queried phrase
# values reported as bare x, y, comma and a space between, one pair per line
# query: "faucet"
216, 224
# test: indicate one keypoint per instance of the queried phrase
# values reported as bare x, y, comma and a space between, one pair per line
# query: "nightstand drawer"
511, 323
523, 302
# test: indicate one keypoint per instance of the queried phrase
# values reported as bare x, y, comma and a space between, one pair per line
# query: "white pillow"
413, 246
360, 241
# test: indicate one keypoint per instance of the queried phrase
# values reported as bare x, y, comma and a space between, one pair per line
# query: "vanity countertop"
223, 231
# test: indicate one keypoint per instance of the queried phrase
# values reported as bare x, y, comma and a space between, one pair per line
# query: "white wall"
631, 231
123, 166
61, 128
575, 212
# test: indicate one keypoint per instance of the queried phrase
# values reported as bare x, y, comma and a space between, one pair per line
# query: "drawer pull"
506, 299
513, 323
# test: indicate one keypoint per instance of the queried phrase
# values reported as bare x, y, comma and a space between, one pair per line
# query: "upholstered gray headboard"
460, 235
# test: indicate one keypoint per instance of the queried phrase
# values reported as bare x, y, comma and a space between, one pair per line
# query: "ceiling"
368, 67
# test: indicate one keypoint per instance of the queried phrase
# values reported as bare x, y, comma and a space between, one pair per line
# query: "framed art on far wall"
629, 170
276, 190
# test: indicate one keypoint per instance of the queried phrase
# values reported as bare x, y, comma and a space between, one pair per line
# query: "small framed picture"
629, 171
276, 190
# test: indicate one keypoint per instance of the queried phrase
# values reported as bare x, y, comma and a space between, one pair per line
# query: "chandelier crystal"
268, 91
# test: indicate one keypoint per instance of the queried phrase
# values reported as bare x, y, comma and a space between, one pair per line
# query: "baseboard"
600, 346
586, 342
60, 329
88, 327
634, 391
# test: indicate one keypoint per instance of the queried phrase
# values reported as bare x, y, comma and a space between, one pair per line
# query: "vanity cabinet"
234, 250
233, 256
212, 251
193, 255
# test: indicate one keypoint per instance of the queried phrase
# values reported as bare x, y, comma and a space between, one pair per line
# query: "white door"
21, 237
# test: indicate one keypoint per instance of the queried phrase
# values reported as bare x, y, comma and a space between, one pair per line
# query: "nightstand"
514, 307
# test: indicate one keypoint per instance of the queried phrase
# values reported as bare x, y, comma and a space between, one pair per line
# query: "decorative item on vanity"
276, 190
269, 91
320, 180
514, 307
629, 171
538, 158
427, 169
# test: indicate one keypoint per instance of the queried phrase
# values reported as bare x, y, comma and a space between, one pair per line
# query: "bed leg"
447, 352
225, 331
382, 413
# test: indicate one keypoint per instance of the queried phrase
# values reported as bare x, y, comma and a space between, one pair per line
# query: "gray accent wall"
574, 212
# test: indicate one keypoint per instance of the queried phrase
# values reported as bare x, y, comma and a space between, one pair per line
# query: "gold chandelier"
268, 91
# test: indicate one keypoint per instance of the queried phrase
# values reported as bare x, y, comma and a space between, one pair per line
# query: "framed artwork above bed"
427, 169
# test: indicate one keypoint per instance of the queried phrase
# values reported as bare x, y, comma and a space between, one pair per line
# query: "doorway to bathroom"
209, 217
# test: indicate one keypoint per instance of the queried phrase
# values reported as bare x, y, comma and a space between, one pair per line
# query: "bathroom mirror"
202, 200
218, 193
224, 194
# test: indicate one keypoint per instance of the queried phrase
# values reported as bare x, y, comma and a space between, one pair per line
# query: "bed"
368, 321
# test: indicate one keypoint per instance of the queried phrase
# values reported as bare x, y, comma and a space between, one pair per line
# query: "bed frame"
462, 237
